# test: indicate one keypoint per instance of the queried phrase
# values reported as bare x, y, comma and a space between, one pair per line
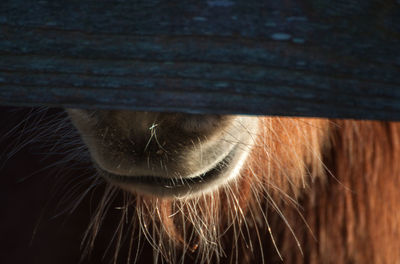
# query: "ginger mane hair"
312, 191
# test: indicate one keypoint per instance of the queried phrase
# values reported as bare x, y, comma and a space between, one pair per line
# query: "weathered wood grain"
320, 58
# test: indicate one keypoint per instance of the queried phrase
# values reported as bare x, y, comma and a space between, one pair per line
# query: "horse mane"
354, 214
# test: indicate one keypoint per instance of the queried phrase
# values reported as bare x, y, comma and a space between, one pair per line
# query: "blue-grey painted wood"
320, 58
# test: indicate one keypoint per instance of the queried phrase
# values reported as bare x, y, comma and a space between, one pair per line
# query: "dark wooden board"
297, 58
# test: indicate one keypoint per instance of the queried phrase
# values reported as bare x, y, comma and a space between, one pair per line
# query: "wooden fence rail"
324, 58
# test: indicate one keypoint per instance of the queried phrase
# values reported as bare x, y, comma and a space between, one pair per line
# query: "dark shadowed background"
32, 230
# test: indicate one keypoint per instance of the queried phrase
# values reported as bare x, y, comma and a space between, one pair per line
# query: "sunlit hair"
232, 222
311, 191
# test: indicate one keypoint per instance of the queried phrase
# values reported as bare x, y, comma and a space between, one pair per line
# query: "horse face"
166, 154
